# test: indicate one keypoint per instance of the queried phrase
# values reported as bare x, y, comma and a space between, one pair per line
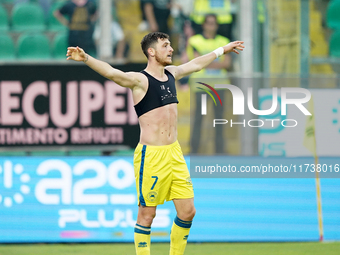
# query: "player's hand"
76, 53
233, 47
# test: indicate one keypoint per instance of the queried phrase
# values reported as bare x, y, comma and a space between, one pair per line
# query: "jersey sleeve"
92, 8
65, 9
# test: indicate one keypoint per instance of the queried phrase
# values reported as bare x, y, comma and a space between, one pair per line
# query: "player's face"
164, 52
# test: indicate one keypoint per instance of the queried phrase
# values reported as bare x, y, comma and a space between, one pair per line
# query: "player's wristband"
219, 52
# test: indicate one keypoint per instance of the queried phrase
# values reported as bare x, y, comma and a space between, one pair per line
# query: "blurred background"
67, 135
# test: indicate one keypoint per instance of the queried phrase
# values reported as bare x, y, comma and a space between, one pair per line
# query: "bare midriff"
159, 126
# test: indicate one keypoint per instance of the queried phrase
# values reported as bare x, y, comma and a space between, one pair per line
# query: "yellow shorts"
161, 174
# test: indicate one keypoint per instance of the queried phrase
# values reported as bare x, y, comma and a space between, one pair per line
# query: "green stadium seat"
60, 46
333, 14
12, 153
28, 17
85, 153
47, 153
53, 23
3, 19
7, 49
128, 152
334, 44
33, 46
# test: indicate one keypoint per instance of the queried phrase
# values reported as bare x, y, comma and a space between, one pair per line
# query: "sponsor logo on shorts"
142, 244
186, 237
188, 181
152, 196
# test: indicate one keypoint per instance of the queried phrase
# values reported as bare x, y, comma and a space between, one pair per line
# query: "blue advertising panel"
71, 199
77, 199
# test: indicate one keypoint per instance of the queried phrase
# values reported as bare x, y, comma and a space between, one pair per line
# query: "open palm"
75, 53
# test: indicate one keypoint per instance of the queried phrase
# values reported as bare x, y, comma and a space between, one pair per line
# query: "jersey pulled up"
159, 93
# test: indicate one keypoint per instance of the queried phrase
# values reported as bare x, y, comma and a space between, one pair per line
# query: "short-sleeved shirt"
202, 46
80, 27
79, 16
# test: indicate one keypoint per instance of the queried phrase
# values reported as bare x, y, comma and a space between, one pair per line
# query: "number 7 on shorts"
156, 179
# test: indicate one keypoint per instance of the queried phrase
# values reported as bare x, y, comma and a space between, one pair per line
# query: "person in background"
156, 13
199, 45
183, 8
79, 16
117, 36
221, 8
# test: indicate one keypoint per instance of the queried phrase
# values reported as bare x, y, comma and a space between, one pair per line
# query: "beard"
163, 62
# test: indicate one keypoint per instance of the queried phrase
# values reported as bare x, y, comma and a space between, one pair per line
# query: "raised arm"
123, 79
201, 62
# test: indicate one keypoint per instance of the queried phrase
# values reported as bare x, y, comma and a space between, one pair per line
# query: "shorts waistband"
156, 147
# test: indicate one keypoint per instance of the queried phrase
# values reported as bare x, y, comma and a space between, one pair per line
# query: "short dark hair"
150, 39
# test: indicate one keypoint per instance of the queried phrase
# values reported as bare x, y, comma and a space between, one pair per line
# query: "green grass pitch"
306, 248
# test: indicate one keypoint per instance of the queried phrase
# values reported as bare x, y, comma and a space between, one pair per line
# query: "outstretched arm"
103, 68
201, 62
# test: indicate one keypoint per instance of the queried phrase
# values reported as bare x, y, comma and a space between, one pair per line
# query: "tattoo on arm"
86, 58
